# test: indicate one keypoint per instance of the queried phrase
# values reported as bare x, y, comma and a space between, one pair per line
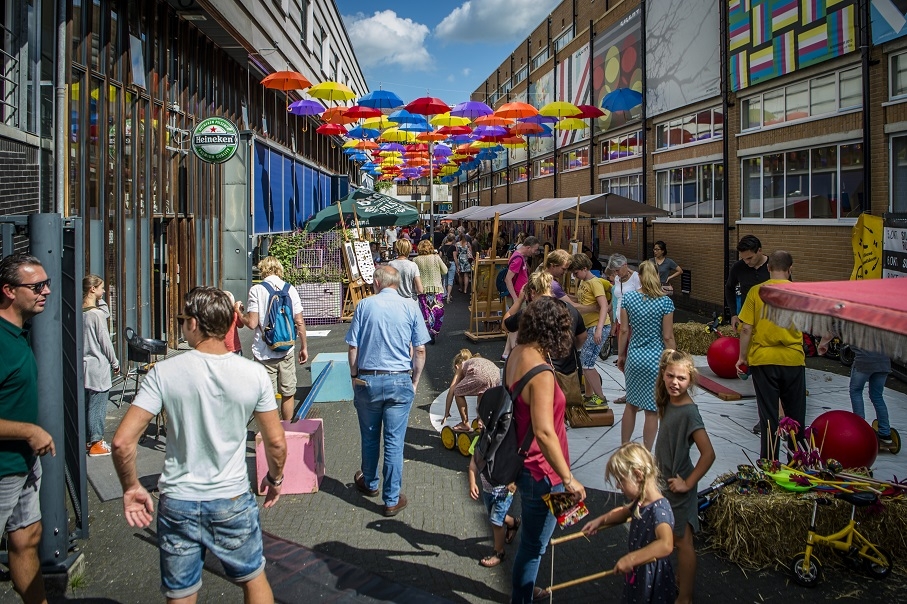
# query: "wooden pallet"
722, 392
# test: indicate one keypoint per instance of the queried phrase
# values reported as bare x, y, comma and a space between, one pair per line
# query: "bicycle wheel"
605, 352
807, 577
876, 570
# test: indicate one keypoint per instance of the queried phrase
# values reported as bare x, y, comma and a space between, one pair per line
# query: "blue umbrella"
402, 116
416, 127
381, 99
360, 132
622, 99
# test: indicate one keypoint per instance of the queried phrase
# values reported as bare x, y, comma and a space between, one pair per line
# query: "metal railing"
9, 83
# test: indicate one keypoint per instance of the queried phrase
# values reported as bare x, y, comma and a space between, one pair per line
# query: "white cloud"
386, 39
493, 20
467, 71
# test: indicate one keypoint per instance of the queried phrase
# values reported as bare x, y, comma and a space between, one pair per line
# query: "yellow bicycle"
848, 542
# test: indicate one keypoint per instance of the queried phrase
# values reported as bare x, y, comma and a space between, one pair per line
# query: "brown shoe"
393, 510
359, 479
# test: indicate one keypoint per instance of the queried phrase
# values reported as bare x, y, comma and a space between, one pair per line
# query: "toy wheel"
879, 571
605, 352
448, 438
847, 355
464, 442
807, 577
475, 424
895, 442
875, 425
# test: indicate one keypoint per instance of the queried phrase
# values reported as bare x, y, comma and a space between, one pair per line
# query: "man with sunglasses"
205, 504
24, 288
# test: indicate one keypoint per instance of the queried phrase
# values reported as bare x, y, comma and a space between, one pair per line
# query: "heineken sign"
214, 140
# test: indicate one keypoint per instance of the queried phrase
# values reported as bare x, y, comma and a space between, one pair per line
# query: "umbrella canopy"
403, 116
360, 112
430, 136
571, 123
560, 109
360, 132
870, 314
337, 115
622, 99
286, 80
305, 107
331, 129
397, 136
381, 99
538, 119
447, 119
372, 208
516, 110
493, 120
454, 130
428, 105
589, 111
526, 128
471, 109
331, 91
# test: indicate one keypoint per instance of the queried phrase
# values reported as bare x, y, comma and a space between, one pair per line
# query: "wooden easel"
358, 289
486, 307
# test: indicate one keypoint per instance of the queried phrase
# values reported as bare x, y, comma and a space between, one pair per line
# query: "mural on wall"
771, 38
573, 87
682, 54
541, 92
616, 70
889, 20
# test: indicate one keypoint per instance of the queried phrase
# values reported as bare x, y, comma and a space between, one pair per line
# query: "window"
520, 75
505, 87
486, 182
493, 98
500, 178
898, 70
543, 167
823, 95
332, 69
539, 59
692, 191
815, 183
621, 147
691, 128
519, 174
899, 174
565, 38
319, 45
304, 22
628, 186
575, 159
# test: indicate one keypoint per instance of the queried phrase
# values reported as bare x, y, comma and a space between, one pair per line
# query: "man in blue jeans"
209, 394
386, 340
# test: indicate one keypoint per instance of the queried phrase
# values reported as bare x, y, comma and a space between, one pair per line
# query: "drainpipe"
865, 50
644, 129
725, 145
60, 105
593, 169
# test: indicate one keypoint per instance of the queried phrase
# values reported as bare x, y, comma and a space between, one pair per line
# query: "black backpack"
498, 455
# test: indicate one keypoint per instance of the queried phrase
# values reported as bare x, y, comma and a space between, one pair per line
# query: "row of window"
628, 186
705, 125
621, 147
691, 191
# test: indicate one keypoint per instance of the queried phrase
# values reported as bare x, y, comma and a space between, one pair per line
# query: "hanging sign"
214, 140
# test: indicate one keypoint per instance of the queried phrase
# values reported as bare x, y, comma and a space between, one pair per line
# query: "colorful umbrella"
366, 145
336, 115
305, 107
516, 109
360, 132
430, 137
377, 123
526, 128
331, 130
560, 109
538, 119
590, 111
471, 109
380, 99
397, 136
286, 80
446, 119
571, 123
493, 120
331, 91
402, 116
454, 130
428, 105
622, 99
361, 112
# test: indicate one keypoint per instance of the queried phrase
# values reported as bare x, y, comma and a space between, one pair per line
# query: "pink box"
305, 457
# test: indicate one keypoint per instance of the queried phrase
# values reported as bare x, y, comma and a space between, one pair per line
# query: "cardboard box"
304, 468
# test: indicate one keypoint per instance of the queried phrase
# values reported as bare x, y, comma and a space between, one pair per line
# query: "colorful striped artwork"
770, 38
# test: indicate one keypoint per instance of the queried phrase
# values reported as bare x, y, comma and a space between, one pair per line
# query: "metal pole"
431, 191
46, 235
60, 121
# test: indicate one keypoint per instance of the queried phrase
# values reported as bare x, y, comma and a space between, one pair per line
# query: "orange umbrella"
430, 136
526, 128
337, 115
286, 80
516, 110
493, 120
366, 145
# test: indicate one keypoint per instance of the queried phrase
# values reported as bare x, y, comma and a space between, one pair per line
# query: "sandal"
493, 560
620, 401
462, 427
511, 531
539, 594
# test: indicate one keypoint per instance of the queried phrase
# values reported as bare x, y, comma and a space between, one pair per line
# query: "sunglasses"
37, 287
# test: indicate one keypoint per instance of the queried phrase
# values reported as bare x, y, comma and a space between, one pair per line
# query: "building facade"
137, 79
750, 117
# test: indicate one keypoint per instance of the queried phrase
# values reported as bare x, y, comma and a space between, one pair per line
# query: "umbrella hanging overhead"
447, 119
397, 136
430, 137
622, 99
305, 107
589, 111
331, 91
372, 209
381, 99
286, 80
403, 116
516, 109
360, 132
362, 112
454, 130
538, 119
428, 105
331, 130
571, 123
379, 123
336, 115
471, 109
560, 109
526, 128
493, 120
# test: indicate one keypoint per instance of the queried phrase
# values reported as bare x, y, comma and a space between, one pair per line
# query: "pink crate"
305, 457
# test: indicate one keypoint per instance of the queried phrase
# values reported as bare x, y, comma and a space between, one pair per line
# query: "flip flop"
493, 560
511, 531
462, 427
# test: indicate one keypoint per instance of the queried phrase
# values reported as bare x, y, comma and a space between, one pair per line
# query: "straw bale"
695, 338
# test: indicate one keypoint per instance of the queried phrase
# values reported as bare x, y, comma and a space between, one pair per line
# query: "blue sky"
440, 48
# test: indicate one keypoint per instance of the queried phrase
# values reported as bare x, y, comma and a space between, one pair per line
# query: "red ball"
722, 357
846, 437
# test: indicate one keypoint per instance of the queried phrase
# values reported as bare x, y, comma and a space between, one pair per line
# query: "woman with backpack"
544, 332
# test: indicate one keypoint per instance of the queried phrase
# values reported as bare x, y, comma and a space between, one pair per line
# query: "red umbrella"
516, 110
454, 130
286, 80
870, 314
360, 111
331, 129
589, 111
428, 105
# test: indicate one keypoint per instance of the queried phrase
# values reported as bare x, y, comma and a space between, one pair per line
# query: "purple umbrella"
441, 150
489, 131
471, 109
305, 107
392, 147
539, 119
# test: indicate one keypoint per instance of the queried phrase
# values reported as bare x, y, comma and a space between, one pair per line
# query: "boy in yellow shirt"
592, 303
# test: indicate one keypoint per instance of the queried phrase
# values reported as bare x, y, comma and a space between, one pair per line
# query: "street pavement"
436, 542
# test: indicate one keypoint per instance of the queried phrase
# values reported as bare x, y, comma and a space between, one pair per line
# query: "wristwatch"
273, 482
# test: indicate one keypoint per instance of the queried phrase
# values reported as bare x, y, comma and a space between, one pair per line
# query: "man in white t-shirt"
280, 365
390, 237
205, 504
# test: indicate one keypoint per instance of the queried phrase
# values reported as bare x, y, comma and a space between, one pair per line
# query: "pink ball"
722, 357
846, 437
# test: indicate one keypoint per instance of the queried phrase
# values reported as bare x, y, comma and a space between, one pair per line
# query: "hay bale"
696, 338
759, 531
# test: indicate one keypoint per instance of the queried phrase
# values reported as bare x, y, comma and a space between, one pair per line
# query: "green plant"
77, 581
286, 247
383, 185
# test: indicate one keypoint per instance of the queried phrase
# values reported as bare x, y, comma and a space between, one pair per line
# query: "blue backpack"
501, 283
280, 332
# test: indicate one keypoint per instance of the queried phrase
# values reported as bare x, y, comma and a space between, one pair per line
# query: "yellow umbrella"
391, 154
395, 135
446, 119
350, 143
560, 109
571, 123
391, 161
483, 144
448, 170
331, 91
377, 123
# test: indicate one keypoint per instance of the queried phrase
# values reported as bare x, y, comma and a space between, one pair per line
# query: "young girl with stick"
647, 569
473, 375
681, 427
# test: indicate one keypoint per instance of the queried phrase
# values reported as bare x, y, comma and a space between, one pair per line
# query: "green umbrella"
372, 209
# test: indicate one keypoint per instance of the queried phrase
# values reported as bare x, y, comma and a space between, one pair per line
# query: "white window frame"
304, 20
891, 61
501, 178
537, 167
521, 74
485, 182
516, 171
605, 157
715, 134
605, 185
561, 42
717, 190
565, 159
892, 158
540, 58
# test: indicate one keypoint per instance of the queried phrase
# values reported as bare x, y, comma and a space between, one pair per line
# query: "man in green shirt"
24, 288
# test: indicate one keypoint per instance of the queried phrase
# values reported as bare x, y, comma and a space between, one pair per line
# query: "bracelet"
273, 482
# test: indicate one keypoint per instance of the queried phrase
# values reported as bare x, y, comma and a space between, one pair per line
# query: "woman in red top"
544, 332
232, 339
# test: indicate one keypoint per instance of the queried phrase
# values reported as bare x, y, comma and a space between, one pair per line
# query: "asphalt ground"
434, 544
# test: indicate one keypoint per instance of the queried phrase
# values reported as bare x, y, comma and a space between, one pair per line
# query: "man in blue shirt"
389, 335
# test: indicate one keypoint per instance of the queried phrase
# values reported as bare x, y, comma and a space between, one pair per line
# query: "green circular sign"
215, 140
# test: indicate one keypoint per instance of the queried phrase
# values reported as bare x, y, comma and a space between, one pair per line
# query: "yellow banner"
867, 247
